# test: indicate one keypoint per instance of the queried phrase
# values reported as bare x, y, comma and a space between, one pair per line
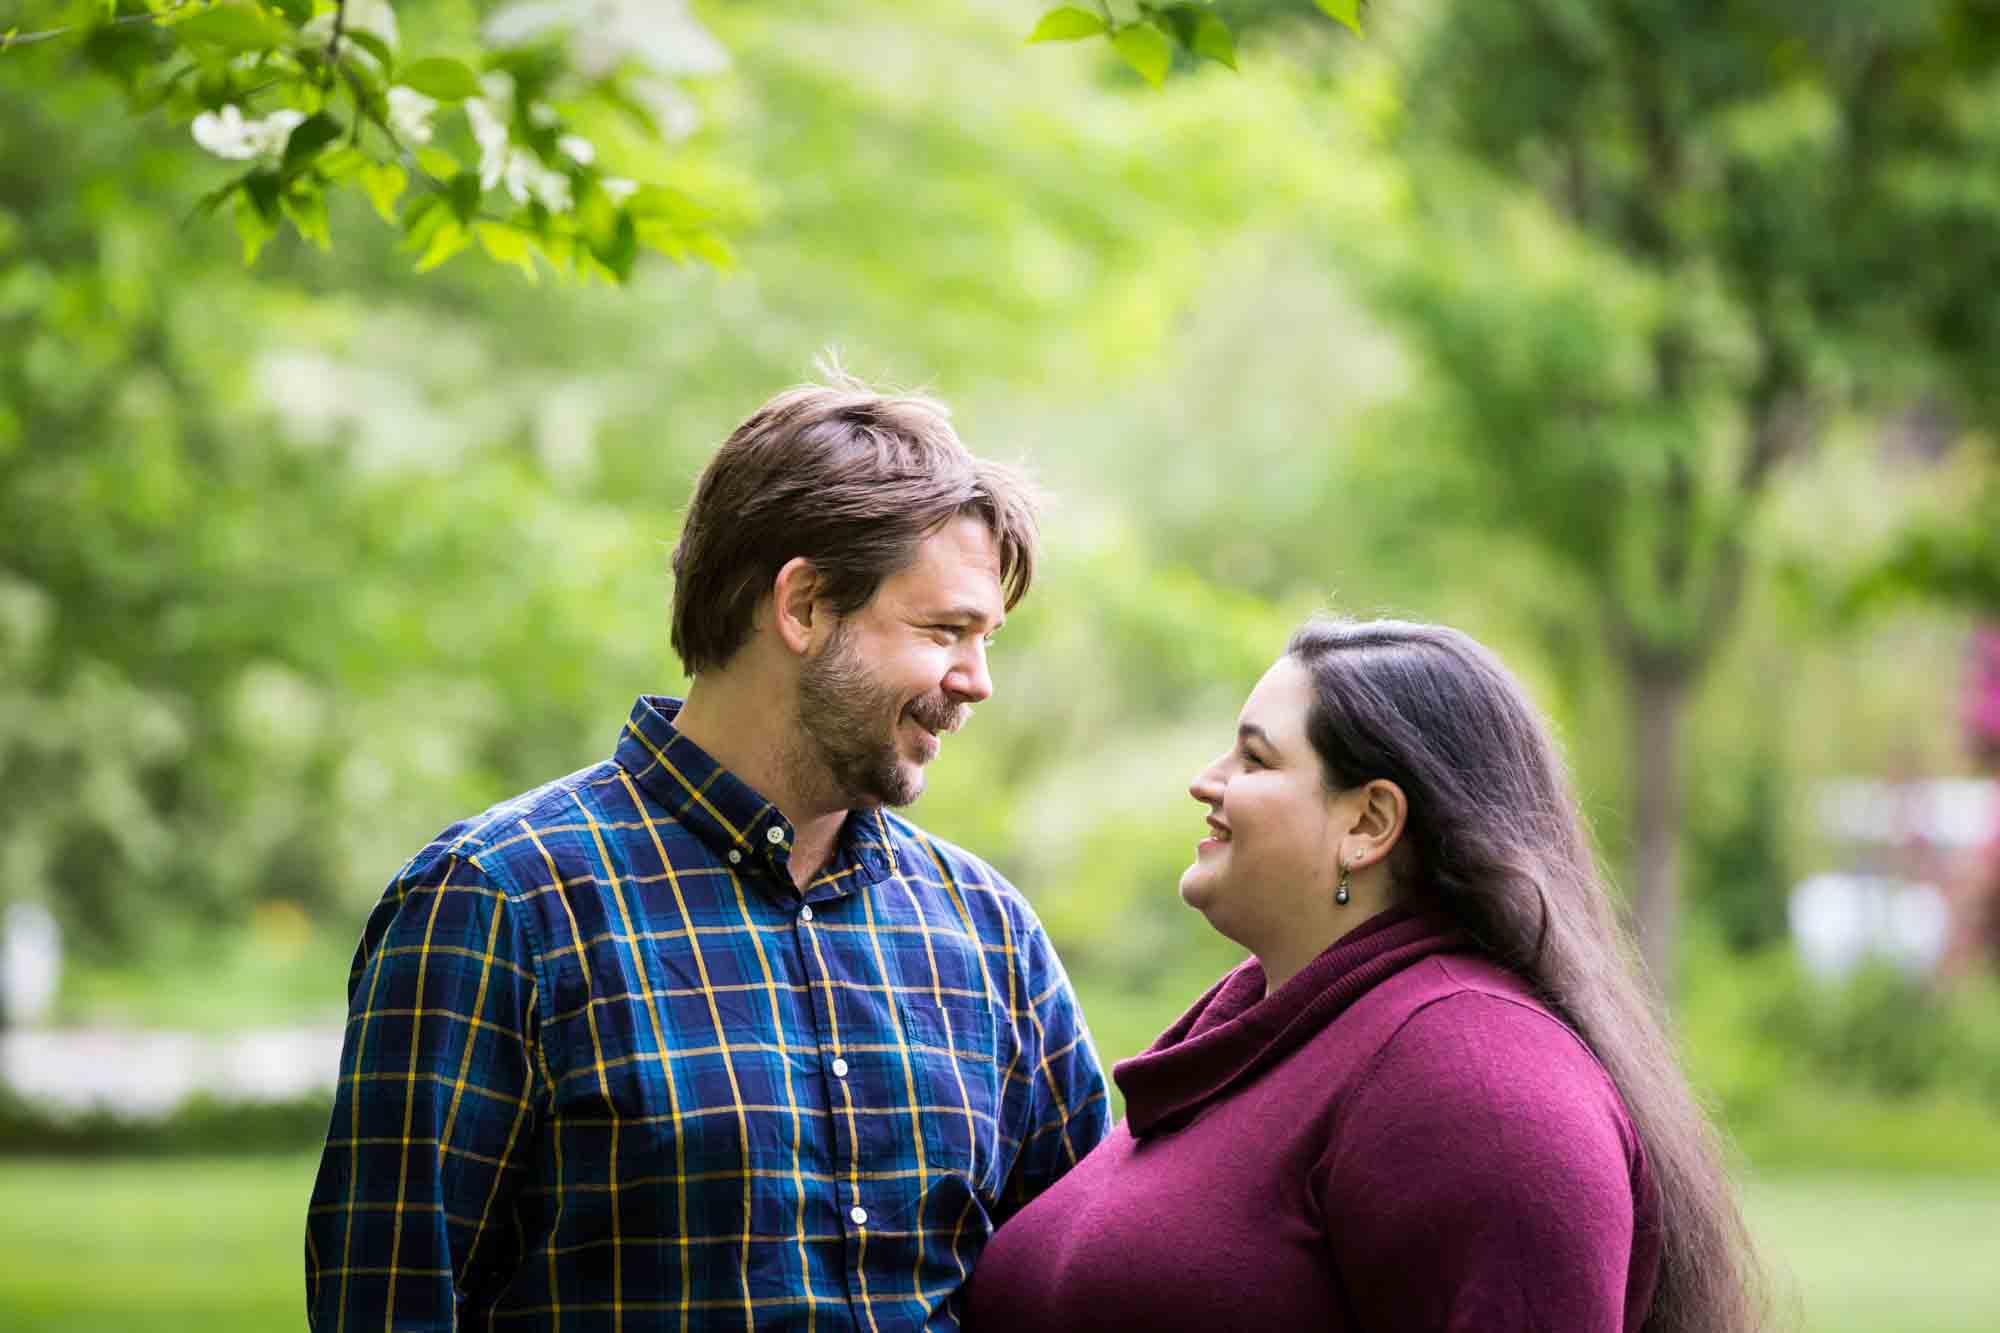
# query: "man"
703, 1036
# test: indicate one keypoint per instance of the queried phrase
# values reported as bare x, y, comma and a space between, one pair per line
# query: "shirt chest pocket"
952, 1042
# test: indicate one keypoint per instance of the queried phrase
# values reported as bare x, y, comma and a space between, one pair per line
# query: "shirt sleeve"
1068, 1113
434, 1112
1478, 1178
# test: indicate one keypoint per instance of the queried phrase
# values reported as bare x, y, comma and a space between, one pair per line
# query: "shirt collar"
730, 815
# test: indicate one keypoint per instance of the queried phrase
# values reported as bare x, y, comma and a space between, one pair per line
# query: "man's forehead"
956, 569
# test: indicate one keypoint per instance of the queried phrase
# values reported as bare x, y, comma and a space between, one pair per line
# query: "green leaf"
341, 163
462, 192
445, 242
261, 188
446, 80
423, 220
508, 245
663, 238
385, 183
714, 249
1146, 49
376, 47
666, 203
1200, 31
1067, 24
622, 249
306, 207
1343, 11
437, 163
233, 28
297, 12
252, 225
307, 139
1213, 39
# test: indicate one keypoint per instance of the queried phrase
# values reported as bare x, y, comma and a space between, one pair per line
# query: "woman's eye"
1251, 761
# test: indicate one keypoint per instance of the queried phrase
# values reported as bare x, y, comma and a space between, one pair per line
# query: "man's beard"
849, 719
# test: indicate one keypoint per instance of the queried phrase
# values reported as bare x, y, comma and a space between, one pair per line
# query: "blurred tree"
1651, 248
298, 562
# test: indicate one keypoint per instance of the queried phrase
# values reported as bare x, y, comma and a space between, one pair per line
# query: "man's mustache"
940, 714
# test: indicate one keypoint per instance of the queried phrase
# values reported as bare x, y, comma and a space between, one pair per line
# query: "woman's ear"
795, 604
1378, 822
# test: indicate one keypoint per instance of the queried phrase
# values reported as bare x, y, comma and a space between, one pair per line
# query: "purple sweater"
1401, 1138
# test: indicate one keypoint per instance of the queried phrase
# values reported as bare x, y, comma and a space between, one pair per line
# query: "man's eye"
1251, 760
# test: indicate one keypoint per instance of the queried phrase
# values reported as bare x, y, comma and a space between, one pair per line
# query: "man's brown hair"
850, 479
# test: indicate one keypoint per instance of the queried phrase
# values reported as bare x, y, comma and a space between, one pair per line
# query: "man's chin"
896, 789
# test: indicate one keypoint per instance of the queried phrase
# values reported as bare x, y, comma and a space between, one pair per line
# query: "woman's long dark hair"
1493, 841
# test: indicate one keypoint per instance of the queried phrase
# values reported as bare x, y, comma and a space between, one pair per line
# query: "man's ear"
796, 610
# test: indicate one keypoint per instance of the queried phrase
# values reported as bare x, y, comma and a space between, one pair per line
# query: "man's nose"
968, 680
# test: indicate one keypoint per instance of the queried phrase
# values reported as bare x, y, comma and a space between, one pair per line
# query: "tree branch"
13, 39
339, 31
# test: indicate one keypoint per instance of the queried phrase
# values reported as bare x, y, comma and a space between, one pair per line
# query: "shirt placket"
820, 961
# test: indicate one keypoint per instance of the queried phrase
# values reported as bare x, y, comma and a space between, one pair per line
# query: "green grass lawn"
1888, 1254
213, 1246
191, 1245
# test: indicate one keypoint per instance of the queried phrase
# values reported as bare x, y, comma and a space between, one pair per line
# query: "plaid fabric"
606, 1068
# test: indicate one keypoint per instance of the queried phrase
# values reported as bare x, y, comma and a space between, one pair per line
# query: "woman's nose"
1207, 786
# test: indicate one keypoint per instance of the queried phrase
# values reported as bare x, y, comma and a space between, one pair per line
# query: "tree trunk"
1658, 700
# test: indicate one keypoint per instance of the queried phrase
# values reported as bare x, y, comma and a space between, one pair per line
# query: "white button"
859, 1214
840, 1069
734, 856
774, 834
806, 913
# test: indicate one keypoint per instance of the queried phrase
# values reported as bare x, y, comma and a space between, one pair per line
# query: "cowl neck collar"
1236, 1030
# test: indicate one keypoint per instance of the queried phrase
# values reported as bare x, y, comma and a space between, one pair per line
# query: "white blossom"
543, 116
579, 148
604, 34
618, 189
490, 131
526, 178
410, 114
228, 135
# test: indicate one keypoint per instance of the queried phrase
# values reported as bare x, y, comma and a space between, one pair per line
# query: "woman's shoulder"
1477, 1047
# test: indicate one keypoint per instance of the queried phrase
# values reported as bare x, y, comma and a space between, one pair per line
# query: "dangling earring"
1340, 890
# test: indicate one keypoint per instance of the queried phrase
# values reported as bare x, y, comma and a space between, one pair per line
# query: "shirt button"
859, 1214
806, 913
774, 835
734, 856
840, 1069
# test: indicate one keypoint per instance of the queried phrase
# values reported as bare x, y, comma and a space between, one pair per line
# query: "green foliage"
320, 99
1343, 11
1148, 40
1738, 867
1877, 1073
198, 1127
1068, 24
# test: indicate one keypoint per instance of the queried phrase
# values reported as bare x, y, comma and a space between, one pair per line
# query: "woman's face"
1271, 853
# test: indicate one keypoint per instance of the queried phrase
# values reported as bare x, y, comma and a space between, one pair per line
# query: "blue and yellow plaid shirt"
607, 1068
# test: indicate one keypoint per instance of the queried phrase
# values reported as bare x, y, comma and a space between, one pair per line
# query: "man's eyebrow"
967, 612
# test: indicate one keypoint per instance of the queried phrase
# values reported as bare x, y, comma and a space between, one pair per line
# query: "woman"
1436, 1096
